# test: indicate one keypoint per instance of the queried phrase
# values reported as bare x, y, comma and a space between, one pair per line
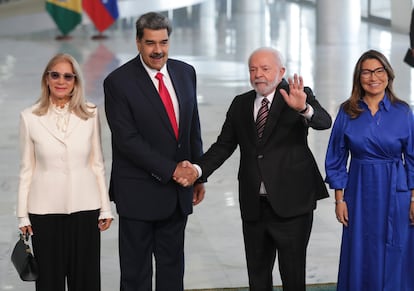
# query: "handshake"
185, 174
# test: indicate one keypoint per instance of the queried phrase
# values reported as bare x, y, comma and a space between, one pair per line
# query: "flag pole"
99, 36
63, 37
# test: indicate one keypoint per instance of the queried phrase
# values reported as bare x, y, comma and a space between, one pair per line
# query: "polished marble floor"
217, 41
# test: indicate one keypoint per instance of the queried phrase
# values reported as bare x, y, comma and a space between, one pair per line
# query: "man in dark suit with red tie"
279, 181
152, 112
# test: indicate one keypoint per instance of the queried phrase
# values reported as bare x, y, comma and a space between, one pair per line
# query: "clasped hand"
185, 174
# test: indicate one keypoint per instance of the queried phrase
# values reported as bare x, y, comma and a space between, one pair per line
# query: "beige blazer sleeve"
27, 165
98, 167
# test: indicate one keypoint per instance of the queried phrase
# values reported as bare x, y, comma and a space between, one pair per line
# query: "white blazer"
61, 173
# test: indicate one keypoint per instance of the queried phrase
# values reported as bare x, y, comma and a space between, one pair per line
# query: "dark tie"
166, 99
262, 117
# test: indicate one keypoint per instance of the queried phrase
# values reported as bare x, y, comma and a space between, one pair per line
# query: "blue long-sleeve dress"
377, 246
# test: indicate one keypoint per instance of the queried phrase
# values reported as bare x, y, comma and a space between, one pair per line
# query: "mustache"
157, 55
260, 80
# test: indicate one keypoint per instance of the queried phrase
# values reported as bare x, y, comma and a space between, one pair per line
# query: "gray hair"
277, 54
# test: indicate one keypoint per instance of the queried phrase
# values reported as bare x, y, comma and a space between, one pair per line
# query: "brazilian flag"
67, 14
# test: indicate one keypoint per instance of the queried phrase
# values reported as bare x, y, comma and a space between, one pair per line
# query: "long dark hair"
351, 105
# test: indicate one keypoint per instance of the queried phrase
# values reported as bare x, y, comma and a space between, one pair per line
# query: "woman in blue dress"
370, 165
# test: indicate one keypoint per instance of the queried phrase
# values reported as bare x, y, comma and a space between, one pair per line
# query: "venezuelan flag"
101, 12
67, 14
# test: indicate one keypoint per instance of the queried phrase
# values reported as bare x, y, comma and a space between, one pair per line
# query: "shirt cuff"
309, 113
199, 171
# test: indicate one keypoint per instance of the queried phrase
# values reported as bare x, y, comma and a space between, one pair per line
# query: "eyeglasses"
379, 72
56, 76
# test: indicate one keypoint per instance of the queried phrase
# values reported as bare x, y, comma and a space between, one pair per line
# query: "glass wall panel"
364, 8
380, 8
378, 11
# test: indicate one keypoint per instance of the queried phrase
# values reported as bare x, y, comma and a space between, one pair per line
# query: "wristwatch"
304, 110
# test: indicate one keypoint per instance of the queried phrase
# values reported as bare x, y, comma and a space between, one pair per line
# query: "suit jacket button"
260, 156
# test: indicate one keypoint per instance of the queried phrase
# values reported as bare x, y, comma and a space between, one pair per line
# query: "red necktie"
166, 99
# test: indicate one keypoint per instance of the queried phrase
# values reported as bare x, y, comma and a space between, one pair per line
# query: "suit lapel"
174, 76
248, 112
49, 123
73, 123
151, 94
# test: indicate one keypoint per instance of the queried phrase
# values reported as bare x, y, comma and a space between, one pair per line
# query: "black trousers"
67, 248
288, 237
142, 241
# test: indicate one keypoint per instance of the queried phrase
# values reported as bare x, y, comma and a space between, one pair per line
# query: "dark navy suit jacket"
144, 149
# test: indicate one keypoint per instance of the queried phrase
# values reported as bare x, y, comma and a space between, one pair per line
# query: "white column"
249, 18
208, 33
338, 21
401, 15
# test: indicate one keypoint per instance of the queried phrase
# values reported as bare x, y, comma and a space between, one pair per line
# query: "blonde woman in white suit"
63, 200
